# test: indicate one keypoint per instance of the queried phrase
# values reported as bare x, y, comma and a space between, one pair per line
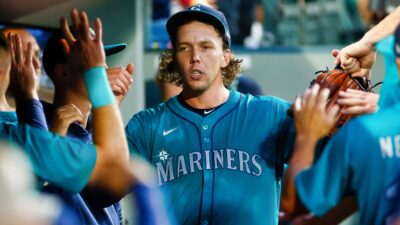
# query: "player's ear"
226, 58
61, 73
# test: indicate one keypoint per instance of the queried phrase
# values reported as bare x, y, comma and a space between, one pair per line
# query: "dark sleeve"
31, 112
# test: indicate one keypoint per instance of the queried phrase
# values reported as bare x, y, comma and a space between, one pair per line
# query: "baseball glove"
337, 80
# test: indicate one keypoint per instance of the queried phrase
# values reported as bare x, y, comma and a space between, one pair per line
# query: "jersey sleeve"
64, 162
323, 185
139, 132
31, 112
286, 131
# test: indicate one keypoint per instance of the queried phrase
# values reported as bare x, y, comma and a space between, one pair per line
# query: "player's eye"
206, 47
183, 48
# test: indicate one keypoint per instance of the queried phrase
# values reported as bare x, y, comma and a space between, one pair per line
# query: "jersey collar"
176, 107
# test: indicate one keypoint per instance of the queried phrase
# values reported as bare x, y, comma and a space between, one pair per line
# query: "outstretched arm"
313, 121
111, 172
358, 58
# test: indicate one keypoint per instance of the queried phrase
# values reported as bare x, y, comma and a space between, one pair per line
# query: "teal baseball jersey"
362, 159
389, 92
65, 162
9, 118
223, 168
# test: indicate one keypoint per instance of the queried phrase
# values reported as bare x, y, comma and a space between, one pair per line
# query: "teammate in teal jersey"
7, 113
219, 154
360, 160
74, 165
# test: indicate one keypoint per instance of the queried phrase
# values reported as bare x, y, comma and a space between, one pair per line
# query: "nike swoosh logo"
166, 132
208, 112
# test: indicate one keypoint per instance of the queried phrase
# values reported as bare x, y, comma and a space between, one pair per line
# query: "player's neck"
208, 99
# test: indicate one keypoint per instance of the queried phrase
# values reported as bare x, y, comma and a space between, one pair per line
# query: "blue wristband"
98, 88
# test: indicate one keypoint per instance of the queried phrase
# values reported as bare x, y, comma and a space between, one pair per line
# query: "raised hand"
312, 118
63, 117
83, 47
358, 102
23, 77
120, 80
356, 59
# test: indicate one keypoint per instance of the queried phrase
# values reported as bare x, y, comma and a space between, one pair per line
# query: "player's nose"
195, 58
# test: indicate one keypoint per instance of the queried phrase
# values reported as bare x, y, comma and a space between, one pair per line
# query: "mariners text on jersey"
172, 167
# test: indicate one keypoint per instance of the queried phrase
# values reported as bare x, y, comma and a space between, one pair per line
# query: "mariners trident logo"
163, 155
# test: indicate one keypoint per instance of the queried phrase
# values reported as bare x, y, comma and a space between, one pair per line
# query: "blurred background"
282, 42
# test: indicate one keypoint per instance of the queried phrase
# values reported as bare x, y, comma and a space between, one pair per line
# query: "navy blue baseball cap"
397, 41
54, 54
200, 13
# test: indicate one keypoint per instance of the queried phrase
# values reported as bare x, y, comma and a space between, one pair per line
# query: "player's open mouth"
196, 74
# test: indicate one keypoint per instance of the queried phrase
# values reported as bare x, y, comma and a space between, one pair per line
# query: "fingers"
85, 26
126, 77
18, 49
333, 113
11, 47
336, 53
76, 22
363, 72
98, 27
297, 104
119, 89
131, 69
29, 54
322, 98
358, 102
350, 65
65, 46
313, 99
120, 79
69, 113
68, 37
310, 98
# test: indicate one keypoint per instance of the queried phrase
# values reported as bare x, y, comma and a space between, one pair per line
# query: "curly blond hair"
168, 70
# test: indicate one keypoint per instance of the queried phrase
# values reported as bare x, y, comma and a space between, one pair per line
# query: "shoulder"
267, 99
147, 116
381, 122
265, 102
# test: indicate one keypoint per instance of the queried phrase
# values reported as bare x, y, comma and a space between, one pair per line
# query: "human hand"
23, 77
312, 119
357, 102
63, 117
83, 47
356, 59
120, 80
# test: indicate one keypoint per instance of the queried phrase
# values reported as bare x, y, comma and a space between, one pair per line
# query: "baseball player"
360, 160
219, 154
7, 113
69, 116
74, 165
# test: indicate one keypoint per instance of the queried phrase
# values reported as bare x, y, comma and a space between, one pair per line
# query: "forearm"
386, 27
111, 171
303, 157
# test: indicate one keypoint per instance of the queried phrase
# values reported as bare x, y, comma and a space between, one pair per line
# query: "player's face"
200, 57
27, 37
